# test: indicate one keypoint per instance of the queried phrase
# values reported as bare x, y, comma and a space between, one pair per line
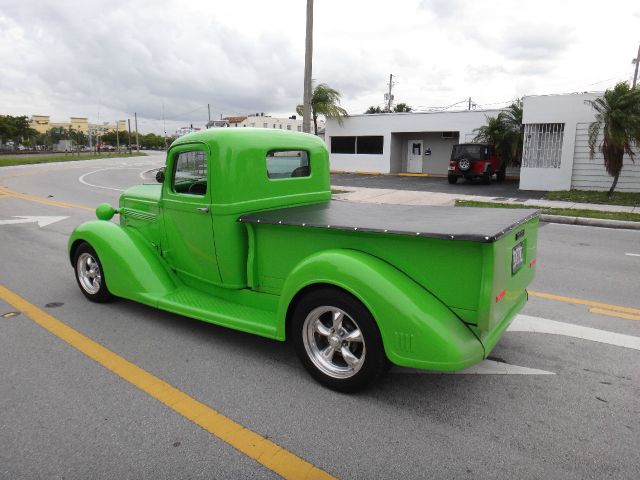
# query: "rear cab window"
287, 164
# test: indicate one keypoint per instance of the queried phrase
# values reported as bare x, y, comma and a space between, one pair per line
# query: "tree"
15, 128
505, 132
325, 101
618, 118
399, 108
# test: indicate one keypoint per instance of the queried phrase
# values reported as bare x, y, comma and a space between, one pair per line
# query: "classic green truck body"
441, 283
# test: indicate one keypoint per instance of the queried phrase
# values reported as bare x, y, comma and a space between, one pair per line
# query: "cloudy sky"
108, 59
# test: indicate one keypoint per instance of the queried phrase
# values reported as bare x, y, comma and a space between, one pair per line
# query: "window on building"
369, 145
288, 127
287, 164
343, 144
280, 126
265, 125
542, 145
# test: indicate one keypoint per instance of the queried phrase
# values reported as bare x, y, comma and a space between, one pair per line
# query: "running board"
195, 304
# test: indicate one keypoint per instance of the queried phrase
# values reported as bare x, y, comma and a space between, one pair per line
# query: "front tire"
337, 340
452, 179
90, 274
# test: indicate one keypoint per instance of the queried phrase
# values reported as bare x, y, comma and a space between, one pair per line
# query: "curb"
590, 222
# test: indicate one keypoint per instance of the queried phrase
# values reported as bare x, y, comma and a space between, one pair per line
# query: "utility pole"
209, 111
164, 128
636, 61
308, 55
469, 103
129, 123
117, 137
135, 116
389, 95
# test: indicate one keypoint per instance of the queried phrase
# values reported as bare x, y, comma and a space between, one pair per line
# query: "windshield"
472, 152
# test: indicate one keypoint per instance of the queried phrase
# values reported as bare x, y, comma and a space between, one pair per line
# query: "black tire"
486, 177
452, 179
373, 361
502, 174
94, 290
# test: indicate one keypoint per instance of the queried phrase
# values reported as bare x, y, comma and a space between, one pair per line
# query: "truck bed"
485, 225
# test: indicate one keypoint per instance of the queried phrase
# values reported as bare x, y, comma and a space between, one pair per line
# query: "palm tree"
324, 101
505, 132
618, 117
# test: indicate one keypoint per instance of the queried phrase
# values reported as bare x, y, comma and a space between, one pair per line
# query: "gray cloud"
535, 42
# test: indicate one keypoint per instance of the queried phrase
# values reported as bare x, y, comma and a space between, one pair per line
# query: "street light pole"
308, 54
636, 61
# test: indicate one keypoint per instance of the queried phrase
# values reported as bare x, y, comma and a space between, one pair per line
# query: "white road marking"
82, 180
633, 254
486, 367
41, 221
526, 323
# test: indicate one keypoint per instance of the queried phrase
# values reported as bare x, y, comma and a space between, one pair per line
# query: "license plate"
517, 257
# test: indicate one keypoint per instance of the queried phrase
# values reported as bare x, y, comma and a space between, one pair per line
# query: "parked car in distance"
241, 231
475, 160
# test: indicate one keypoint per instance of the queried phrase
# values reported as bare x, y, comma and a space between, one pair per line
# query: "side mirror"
160, 176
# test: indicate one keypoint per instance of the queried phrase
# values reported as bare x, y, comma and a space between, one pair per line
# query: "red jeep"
475, 160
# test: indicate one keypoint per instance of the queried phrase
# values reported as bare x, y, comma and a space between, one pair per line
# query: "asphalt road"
62, 415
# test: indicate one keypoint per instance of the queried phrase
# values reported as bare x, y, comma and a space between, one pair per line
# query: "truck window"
287, 164
190, 173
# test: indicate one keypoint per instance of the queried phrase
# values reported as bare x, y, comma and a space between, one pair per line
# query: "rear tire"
338, 341
90, 274
486, 178
501, 175
452, 179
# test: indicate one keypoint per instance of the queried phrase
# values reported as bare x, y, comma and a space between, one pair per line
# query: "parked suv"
475, 160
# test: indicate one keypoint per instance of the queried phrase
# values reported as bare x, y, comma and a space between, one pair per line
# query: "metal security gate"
542, 145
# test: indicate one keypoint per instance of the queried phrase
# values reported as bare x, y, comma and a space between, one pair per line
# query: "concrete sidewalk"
408, 197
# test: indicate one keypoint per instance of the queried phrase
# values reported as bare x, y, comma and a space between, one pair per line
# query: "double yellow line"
255, 446
596, 307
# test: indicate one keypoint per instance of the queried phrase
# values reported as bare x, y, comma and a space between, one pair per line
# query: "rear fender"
132, 267
417, 329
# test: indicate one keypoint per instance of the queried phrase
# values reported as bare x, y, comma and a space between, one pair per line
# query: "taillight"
502, 294
532, 263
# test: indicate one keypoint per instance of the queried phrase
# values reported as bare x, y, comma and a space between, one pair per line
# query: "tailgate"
508, 268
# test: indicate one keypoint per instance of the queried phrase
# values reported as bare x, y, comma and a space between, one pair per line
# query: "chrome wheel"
464, 164
333, 341
89, 274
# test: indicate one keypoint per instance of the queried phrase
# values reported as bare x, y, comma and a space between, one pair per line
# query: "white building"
555, 154
400, 142
292, 123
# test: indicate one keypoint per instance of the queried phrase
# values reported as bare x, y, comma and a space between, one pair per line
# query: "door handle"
203, 209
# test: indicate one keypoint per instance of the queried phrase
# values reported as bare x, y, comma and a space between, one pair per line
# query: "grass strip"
7, 161
631, 199
566, 212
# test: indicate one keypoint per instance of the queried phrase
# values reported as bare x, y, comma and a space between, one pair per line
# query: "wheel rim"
464, 164
89, 273
334, 342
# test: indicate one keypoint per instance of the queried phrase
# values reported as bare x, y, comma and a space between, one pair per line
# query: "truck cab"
241, 231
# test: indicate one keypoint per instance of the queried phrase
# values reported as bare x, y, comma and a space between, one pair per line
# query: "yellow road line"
413, 174
46, 201
255, 446
589, 303
611, 313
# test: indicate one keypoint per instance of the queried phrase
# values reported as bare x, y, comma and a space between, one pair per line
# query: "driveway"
508, 188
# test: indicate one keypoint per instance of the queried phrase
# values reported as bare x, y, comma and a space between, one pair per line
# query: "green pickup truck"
241, 231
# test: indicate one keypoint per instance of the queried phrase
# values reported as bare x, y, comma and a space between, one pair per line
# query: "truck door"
189, 245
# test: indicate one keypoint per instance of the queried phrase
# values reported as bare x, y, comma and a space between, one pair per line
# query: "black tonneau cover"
454, 223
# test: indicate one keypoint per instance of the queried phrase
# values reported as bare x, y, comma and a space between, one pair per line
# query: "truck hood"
148, 192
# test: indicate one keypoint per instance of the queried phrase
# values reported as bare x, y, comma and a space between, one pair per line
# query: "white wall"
591, 175
568, 109
463, 122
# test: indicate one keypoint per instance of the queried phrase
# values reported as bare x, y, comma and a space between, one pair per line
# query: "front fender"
132, 268
417, 329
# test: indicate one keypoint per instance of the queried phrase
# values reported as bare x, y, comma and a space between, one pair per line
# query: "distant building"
260, 120
42, 124
235, 121
184, 130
